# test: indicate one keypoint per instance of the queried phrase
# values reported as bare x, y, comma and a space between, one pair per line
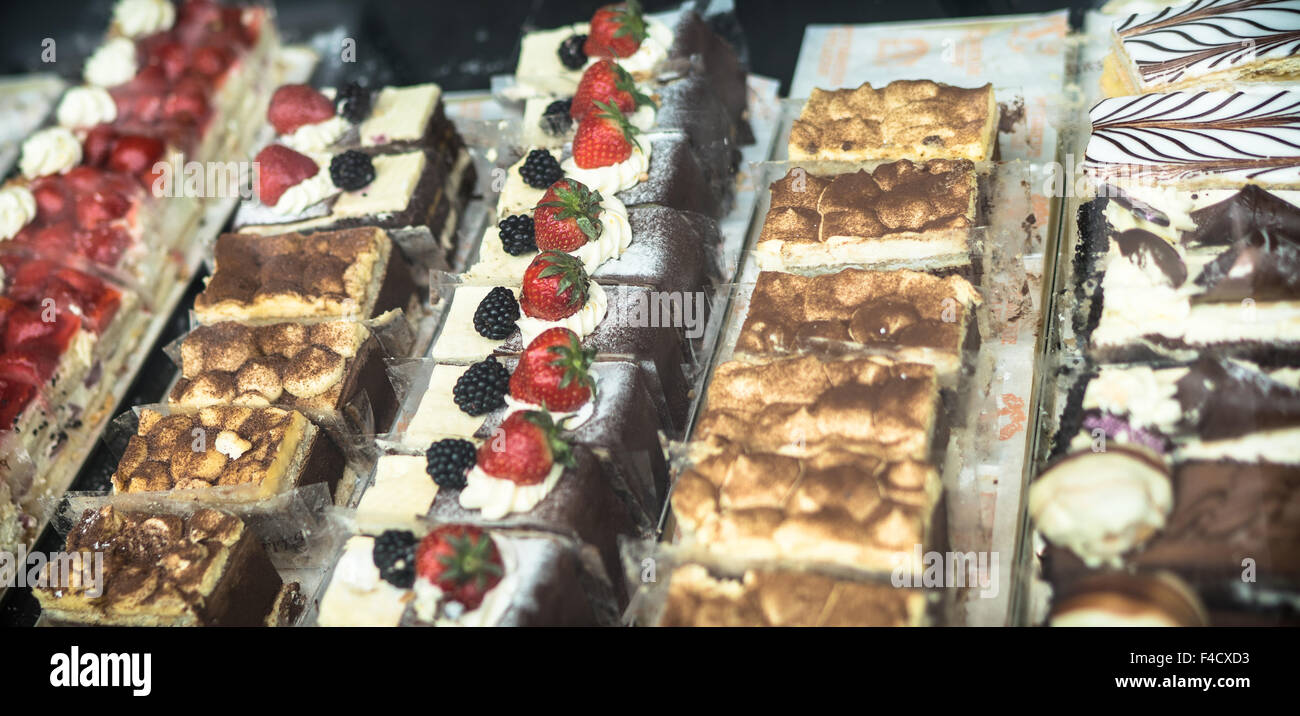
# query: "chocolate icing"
1134, 205
1250, 211
1261, 266
1145, 248
1228, 399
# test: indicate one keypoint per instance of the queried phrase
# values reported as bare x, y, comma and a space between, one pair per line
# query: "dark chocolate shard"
1263, 266
1229, 399
1134, 205
1248, 212
1146, 249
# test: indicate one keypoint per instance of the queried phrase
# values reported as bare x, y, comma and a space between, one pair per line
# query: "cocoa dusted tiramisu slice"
900, 214
352, 273
315, 368
203, 568
1197, 140
458, 575
911, 316
1207, 43
906, 119
786, 598
834, 507
801, 406
252, 453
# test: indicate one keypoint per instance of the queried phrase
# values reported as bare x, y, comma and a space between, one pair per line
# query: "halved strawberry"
292, 106
462, 561
99, 208
555, 286
554, 371
525, 448
616, 30
189, 106
604, 138
98, 143
50, 199
211, 61
27, 327
605, 81
172, 58
135, 153
27, 366
567, 216
278, 168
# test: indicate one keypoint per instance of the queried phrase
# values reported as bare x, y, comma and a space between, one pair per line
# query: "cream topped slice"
541, 73
497, 497
496, 266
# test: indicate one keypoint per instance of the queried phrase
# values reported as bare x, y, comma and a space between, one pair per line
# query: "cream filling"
540, 69
941, 249
496, 266
583, 322
1177, 204
428, 596
1103, 618
438, 416
306, 193
396, 176
316, 137
400, 114
516, 196
1277, 446
1144, 395
497, 497
401, 493
458, 341
614, 178
357, 596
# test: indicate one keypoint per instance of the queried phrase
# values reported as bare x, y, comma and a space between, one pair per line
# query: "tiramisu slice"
1197, 140
458, 575
801, 406
1208, 43
244, 454
203, 568
791, 599
900, 214
912, 316
835, 507
352, 273
906, 119
315, 368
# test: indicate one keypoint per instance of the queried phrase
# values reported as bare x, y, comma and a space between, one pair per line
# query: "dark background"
461, 44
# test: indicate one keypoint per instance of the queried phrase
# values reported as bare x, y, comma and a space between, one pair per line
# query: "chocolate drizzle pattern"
1209, 36
1179, 135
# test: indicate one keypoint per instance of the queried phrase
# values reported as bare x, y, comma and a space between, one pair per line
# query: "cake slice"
1210, 43
314, 368
900, 214
381, 581
786, 598
1197, 140
1115, 599
832, 508
911, 316
351, 273
906, 119
801, 406
203, 568
227, 453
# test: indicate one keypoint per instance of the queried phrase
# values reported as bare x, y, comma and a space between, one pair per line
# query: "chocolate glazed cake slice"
204, 568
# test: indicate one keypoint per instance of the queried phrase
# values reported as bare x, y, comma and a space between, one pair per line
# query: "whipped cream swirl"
583, 322
137, 18
318, 136
614, 178
17, 209
86, 106
112, 64
312, 190
50, 151
497, 497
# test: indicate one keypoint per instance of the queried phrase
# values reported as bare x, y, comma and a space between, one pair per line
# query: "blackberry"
571, 53
394, 555
496, 314
482, 388
353, 102
540, 169
556, 120
351, 170
449, 460
517, 235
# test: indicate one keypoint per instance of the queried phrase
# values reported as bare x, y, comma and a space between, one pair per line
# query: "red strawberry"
211, 61
100, 208
50, 200
30, 327
98, 143
616, 31
524, 449
278, 168
567, 217
26, 367
135, 153
191, 105
462, 561
292, 106
555, 286
604, 138
606, 82
554, 372
172, 59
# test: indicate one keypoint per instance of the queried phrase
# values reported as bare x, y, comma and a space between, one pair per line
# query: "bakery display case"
973, 321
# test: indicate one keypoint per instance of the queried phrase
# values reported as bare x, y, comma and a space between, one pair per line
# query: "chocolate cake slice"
315, 368
227, 453
906, 119
351, 273
204, 568
899, 215
787, 598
